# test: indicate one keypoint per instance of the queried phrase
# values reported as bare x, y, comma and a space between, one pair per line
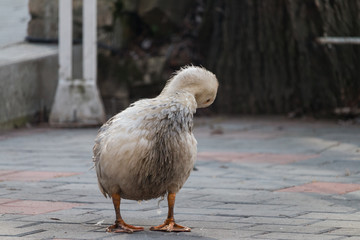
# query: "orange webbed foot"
122, 227
170, 226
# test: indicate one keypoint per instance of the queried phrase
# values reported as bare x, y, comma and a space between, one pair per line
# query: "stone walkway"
256, 179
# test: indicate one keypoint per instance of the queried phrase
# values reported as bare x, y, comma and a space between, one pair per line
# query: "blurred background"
266, 54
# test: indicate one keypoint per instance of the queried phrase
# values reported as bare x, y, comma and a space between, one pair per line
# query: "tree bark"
267, 60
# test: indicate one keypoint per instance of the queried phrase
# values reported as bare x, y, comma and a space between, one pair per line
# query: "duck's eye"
207, 101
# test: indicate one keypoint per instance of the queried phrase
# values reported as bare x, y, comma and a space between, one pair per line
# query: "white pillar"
77, 102
65, 40
89, 41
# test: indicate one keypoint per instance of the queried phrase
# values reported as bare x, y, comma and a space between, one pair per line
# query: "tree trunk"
266, 58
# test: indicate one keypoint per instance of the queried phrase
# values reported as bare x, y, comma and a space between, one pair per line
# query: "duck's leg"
169, 225
120, 225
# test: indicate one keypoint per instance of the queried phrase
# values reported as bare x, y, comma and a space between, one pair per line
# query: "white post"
77, 102
89, 41
65, 41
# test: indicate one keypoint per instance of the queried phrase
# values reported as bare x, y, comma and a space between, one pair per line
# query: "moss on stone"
15, 123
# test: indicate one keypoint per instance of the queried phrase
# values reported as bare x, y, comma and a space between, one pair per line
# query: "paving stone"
67, 231
278, 221
224, 199
321, 208
7, 217
289, 228
345, 231
337, 224
10, 228
297, 236
35, 176
241, 196
324, 187
204, 225
69, 217
33, 207
332, 216
254, 157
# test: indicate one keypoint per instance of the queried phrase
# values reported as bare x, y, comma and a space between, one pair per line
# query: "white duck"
148, 150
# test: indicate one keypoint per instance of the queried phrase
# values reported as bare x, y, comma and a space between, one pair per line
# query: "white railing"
77, 101
338, 40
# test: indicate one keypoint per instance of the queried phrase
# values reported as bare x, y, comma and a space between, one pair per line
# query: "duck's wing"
97, 145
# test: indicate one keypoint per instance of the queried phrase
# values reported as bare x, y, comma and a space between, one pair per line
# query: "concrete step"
28, 79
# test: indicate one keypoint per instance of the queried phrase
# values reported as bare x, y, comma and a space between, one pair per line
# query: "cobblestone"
258, 178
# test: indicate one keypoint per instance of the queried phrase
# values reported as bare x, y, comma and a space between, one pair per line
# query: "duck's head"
198, 81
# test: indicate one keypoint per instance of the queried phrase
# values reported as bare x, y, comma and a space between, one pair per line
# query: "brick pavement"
257, 178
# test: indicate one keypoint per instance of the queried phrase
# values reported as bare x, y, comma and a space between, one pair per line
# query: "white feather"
149, 149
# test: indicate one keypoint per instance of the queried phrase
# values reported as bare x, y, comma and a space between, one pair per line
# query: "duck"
148, 150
